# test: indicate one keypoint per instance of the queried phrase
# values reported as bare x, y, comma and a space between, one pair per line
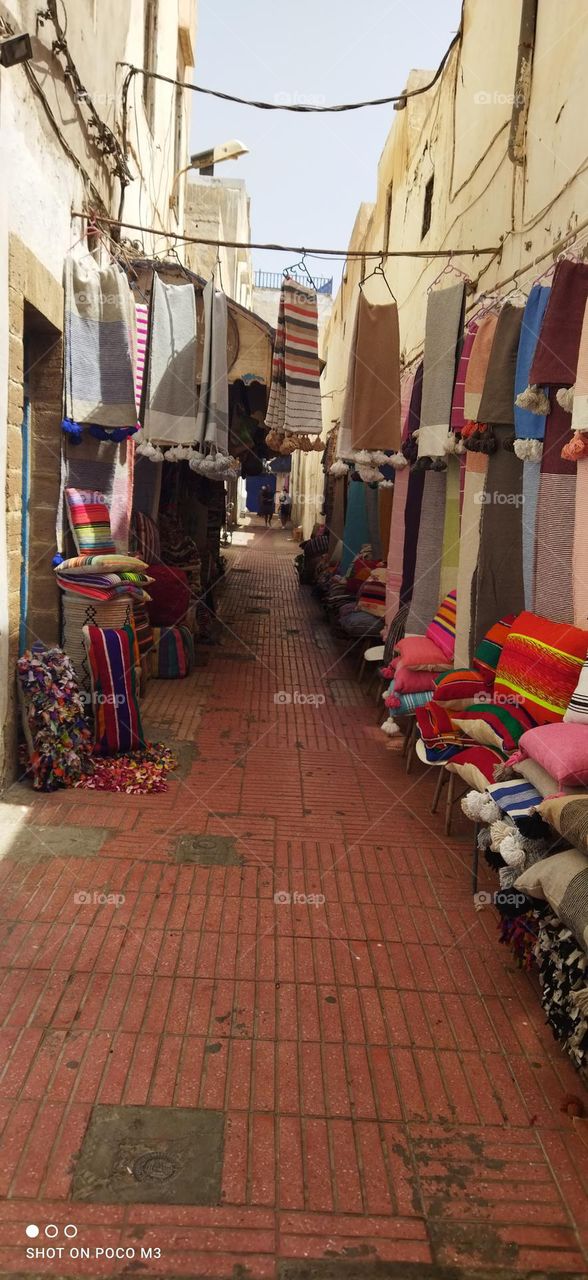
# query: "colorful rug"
295, 400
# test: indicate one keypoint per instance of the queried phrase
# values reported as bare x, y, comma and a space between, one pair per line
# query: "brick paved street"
389, 1090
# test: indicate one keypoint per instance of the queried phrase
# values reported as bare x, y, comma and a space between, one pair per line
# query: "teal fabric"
356, 532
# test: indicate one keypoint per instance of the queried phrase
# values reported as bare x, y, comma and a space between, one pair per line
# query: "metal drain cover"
207, 851
151, 1155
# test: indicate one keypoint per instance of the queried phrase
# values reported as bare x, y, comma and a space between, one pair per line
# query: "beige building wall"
219, 209
459, 134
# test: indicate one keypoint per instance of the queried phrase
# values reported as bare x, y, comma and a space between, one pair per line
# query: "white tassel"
369, 475
398, 461
489, 811
390, 728
565, 398
339, 468
529, 450
479, 806
499, 830
512, 850
450, 443
379, 458
361, 456
148, 450
386, 484
534, 399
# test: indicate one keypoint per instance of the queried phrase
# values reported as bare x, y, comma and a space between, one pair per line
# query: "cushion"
539, 778
577, 710
568, 815
562, 880
145, 537
459, 688
359, 571
357, 623
561, 749
487, 655
540, 665
476, 765
406, 680
422, 654
372, 595
170, 596
172, 654
117, 720
117, 563
494, 726
100, 587
407, 703
516, 797
89, 520
442, 629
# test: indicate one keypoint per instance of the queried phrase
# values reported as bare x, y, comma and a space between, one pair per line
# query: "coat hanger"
300, 266
378, 271
446, 270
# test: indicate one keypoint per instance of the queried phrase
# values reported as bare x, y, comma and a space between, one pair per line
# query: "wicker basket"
80, 612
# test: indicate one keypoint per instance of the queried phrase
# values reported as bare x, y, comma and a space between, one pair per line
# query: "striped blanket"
98, 384
295, 399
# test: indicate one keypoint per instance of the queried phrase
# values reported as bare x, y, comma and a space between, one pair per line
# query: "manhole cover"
151, 1155
207, 851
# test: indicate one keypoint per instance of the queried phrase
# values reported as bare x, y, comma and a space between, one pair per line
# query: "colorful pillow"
518, 798
100, 564
89, 520
494, 726
407, 703
476, 765
569, 816
442, 629
170, 596
372, 595
560, 749
459, 688
487, 655
100, 587
562, 880
172, 654
117, 720
407, 680
577, 710
359, 571
422, 654
540, 665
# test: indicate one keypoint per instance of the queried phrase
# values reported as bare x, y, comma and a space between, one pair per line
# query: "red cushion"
170, 596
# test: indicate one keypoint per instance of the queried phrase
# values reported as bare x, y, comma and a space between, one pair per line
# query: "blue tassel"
73, 430
57, 560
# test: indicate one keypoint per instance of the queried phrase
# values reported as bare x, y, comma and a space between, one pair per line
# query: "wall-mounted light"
15, 49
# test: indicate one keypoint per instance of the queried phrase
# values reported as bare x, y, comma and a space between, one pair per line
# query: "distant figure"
285, 507
266, 504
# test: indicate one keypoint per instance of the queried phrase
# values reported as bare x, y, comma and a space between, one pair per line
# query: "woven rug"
531, 478
427, 575
556, 354
295, 400
168, 400
556, 503
442, 331
469, 545
98, 380
374, 367
529, 426
396, 544
499, 577
450, 551
212, 423
356, 531
477, 366
99, 465
77, 613
497, 401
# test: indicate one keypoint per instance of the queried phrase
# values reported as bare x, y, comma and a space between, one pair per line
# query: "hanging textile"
295, 400
356, 532
414, 499
556, 354
385, 500
442, 331
580, 548
212, 421
477, 366
168, 401
476, 467
411, 392
374, 378
458, 420
499, 577
497, 400
337, 524
427, 574
531, 477
555, 522
528, 425
450, 548
580, 405
98, 383
373, 519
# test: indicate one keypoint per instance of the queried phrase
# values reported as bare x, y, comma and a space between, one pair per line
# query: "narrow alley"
285, 944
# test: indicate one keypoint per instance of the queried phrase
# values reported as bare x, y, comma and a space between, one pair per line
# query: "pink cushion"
408, 681
442, 629
561, 749
422, 654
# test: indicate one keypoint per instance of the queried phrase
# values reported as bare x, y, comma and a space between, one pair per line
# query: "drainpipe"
522, 89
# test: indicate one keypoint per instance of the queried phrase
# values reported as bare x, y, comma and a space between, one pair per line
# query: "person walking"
266, 504
284, 507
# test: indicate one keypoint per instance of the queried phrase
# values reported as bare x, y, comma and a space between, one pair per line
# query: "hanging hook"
300, 266
378, 271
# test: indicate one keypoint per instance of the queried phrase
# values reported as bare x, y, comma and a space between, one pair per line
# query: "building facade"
74, 140
219, 209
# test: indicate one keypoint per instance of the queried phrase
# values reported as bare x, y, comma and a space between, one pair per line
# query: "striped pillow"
442, 629
540, 665
487, 655
577, 711
117, 720
372, 595
459, 688
89, 520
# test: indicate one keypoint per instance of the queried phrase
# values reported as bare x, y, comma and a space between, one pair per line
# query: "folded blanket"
98, 380
295, 400
168, 400
497, 401
442, 331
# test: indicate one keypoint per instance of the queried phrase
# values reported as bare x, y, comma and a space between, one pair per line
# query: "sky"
308, 174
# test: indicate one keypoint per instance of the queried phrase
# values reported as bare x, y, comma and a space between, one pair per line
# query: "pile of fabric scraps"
563, 971
58, 738
140, 773
520, 934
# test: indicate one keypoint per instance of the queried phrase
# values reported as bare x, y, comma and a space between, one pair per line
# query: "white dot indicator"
32, 1230
51, 1230
70, 1230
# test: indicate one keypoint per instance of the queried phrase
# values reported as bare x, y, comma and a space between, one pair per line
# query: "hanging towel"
98, 382
476, 465
442, 332
499, 577
427, 575
356, 531
555, 522
556, 354
212, 422
374, 377
529, 426
531, 477
497, 401
477, 366
580, 410
580, 548
458, 402
168, 401
295, 399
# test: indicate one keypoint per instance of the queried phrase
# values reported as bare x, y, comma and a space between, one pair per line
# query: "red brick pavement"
389, 1087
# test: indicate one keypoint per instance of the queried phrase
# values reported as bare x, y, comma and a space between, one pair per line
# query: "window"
428, 206
387, 217
150, 58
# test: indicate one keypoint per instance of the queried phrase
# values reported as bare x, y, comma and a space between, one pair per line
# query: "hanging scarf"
529, 426
497, 400
295, 400
212, 422
168, 401
458, 401
477, 366
98, 382
442, 330
556, 355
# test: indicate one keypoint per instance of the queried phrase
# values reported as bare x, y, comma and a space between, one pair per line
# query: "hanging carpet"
442, 332
98, 381
374, 377
295, 400
499, 577
169, 393
212, 422
556, 504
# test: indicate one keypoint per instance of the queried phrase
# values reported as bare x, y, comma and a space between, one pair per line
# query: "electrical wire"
300, 108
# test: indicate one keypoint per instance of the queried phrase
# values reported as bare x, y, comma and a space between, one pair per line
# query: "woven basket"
79, 612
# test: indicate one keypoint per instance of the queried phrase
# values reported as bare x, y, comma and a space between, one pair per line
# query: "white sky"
307, 175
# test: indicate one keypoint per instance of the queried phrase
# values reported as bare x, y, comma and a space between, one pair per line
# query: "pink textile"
406, 386
396, 545
561, 749
457, 405
580, 546
408, 681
